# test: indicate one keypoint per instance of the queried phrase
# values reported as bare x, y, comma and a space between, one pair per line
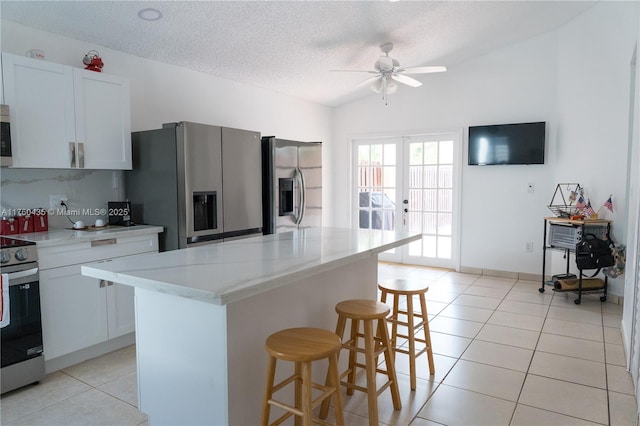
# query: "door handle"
303, 196
72, 149
22, 274
81, 155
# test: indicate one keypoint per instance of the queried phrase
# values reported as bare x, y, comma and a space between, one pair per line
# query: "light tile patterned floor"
505, 354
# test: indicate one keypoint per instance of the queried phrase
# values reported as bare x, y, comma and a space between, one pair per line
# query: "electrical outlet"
55, 201
528, 247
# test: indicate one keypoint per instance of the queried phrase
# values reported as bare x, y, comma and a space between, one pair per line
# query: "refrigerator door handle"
296, 210
303, 197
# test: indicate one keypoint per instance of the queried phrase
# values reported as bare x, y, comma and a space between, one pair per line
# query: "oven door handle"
22, 274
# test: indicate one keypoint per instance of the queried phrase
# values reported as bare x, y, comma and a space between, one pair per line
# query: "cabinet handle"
96, 243
102, 283
81, 155
72, 148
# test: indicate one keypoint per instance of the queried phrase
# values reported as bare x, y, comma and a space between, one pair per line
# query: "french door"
410, 184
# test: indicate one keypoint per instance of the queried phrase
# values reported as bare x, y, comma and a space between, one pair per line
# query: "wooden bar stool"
302, 346
366, 311
399, 288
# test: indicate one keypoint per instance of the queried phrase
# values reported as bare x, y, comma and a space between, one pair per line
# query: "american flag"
589, 211
580, 205
609, 204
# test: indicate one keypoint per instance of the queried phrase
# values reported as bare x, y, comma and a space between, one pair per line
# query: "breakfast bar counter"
203, 313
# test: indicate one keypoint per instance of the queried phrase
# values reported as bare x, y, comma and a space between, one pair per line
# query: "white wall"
575, 78
159, 93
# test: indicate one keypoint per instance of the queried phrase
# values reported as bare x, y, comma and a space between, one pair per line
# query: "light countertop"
57, 237
230, 271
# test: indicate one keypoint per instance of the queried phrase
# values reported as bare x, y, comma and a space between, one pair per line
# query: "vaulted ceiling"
291, 46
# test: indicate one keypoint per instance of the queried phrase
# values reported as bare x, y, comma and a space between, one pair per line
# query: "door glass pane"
415, 199
430, 223
389, 155
431, 153
429, 246
363, 154
444, 223
415, 248
376, 154
445, 177
389, 177
446, 152
444, 247
415, 176
415, 222
415, 153
430, 200
445, 203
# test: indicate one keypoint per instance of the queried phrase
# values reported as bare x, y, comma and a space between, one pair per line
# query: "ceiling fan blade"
367, 82
406, 80
422, 70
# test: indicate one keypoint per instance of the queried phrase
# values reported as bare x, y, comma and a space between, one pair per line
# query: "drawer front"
92, 251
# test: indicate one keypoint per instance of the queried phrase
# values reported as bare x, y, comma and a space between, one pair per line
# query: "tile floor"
505, 354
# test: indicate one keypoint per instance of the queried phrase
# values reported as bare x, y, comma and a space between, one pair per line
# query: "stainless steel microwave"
5, 136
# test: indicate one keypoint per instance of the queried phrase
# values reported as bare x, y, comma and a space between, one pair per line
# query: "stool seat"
362, 309
402, 286
409, 289
302, 344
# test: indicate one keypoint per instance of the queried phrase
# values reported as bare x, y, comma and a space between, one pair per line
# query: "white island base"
205, 364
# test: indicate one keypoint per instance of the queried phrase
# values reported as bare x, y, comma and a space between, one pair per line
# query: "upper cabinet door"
65, 117
40, 98
103, 120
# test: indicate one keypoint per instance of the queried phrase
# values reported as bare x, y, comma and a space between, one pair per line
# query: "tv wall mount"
565, 197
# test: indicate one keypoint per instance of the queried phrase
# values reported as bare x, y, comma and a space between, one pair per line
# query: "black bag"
593, 253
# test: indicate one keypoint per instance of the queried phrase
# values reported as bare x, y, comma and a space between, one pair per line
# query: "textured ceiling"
290, 47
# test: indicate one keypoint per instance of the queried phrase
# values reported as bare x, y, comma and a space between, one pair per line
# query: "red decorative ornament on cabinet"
92, 61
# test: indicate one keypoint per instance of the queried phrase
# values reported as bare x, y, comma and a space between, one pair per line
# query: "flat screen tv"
521, 143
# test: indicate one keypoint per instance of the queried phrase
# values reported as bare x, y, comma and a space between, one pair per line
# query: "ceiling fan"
388, 72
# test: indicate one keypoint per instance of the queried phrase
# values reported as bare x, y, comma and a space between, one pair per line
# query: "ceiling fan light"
392, 87
377, 85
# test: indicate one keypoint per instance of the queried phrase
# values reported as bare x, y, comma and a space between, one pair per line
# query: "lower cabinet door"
74, 311
120, 310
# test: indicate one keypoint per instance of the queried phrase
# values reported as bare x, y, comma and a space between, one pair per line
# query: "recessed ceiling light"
150, 14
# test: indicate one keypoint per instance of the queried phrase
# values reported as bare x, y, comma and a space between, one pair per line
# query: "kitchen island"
203, 313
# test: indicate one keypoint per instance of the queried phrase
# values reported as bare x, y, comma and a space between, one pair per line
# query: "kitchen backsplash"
88, 192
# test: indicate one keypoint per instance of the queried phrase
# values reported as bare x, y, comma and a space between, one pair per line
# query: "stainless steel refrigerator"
292, 184
201, 182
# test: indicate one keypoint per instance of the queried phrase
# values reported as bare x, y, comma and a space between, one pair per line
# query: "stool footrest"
405, 323
360, 388
326, 393
349, 345
406, 352
285, 382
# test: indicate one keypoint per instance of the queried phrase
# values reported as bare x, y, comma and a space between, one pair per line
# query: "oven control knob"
22, 255
5, 257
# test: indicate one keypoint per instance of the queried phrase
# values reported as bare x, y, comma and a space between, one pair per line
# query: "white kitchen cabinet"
74, 311
66, 117
77, 311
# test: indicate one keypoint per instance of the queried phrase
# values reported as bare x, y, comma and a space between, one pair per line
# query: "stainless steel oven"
5, 136
21, 333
